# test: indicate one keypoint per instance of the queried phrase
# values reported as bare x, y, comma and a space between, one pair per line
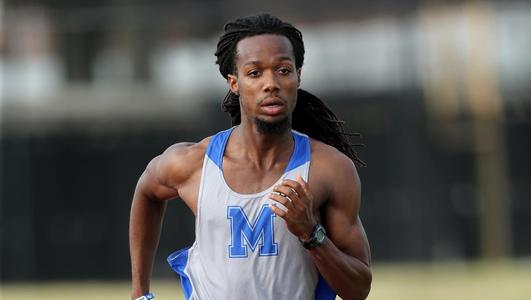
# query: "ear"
232, 81
299, 77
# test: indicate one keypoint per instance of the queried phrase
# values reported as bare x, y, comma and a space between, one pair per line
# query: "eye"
284, 71
253, 73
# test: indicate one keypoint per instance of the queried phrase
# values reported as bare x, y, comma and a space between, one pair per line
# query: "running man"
276, 197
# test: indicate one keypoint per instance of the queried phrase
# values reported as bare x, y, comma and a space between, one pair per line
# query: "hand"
295, 196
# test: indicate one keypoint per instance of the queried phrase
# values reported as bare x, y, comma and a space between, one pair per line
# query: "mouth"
272, 106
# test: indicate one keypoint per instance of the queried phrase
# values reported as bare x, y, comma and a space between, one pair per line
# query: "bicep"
348, 236
341, 216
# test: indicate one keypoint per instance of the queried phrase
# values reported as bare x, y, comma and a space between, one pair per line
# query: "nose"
270, 82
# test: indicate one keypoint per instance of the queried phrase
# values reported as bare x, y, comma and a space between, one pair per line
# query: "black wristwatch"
317, 237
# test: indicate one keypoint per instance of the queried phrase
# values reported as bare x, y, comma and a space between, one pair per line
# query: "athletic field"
455, 280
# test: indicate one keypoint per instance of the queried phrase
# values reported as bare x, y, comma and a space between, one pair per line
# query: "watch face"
320, 235
317, 238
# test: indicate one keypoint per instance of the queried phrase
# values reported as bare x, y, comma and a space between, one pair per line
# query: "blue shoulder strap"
216, 147
301, 151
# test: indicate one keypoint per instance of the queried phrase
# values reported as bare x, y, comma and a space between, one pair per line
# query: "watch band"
317, 237
147, 296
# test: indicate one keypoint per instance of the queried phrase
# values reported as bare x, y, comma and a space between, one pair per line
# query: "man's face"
266, 79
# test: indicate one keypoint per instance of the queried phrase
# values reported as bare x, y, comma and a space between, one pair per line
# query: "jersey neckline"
270, 188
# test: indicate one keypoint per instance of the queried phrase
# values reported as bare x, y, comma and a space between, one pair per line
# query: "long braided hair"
311, 115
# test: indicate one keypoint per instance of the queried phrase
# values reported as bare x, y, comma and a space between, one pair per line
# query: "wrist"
139, 292
307, 234
145, 296
316, 239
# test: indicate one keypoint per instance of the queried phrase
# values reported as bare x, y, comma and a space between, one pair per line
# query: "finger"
303, 183
294, 191
284, 200
288, 192
279, 212
296, 186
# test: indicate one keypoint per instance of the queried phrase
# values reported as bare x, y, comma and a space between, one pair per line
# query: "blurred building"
92, 90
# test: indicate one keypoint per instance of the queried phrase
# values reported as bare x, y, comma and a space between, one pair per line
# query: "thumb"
302, 183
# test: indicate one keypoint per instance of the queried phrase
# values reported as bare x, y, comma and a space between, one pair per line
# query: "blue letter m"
242, 231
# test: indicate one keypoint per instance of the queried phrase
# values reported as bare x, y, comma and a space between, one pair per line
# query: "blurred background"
440, 90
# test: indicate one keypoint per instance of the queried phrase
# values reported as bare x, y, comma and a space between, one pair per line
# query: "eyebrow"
256, 62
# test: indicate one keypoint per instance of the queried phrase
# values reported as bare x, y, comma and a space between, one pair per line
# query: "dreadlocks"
311, 115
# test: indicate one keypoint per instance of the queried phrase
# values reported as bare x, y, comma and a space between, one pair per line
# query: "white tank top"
242, 249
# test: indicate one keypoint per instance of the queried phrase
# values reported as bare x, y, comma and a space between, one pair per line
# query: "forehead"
264, 47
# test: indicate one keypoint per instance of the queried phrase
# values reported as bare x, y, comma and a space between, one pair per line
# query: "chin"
274, 127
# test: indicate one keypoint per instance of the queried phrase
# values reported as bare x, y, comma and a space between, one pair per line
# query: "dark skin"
267, 80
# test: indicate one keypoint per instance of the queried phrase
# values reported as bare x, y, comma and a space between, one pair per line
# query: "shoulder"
177, 164
328, 159
334, 171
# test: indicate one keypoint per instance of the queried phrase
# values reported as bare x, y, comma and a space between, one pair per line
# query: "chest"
244, 178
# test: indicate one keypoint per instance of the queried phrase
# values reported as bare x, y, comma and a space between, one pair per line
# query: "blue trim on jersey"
216, 147
323, 291
301, 151
178, 261
300, 155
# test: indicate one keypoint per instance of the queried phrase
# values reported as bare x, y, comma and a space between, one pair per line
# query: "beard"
272, 128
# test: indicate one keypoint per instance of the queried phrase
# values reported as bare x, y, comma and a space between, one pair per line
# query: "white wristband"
147, 296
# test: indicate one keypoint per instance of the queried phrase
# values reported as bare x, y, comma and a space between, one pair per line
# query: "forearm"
348, 276
144, 232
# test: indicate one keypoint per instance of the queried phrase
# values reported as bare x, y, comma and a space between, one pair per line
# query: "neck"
264, 149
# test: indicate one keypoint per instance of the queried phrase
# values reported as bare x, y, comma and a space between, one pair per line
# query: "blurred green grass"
506, 280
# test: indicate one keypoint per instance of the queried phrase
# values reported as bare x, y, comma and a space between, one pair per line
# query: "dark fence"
66, 194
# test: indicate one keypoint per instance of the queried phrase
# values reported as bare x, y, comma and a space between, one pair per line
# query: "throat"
252, 165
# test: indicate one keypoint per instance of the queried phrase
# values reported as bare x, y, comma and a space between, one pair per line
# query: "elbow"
365, 292
365, 286
362, 288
